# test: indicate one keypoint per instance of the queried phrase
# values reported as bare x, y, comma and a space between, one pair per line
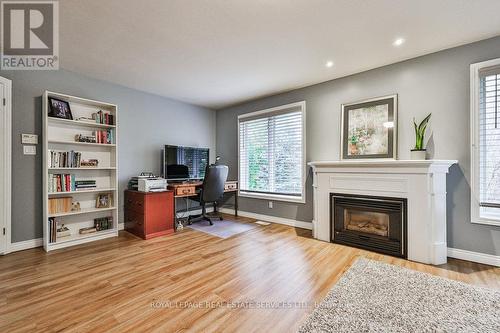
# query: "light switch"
29, 139
29, 150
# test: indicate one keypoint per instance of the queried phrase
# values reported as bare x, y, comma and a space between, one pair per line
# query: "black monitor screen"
185, 162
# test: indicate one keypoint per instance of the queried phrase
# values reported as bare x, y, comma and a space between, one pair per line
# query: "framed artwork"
104, 200
369, 129
59, 109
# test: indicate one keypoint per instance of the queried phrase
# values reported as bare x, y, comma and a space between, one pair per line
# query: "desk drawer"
135, 201
185, 190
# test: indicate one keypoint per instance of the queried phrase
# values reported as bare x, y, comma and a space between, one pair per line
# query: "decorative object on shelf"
104, 200
103, 223
63, 231
75, 207
85, 138
88, 230
418, 153
59, 109
369, 129
92, 163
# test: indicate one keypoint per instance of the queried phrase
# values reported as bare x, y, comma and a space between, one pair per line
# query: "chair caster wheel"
211, 223
221, 218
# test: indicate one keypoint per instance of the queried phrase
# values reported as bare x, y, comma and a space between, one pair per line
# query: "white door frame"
6, 165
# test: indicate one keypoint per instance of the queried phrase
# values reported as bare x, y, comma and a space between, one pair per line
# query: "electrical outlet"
270, 204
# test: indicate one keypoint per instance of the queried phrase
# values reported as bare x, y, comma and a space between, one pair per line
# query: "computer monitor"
184, 163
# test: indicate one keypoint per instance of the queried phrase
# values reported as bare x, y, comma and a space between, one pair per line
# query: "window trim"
276, 197
474, 144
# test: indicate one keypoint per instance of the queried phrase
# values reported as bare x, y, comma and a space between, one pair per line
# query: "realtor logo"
30, 35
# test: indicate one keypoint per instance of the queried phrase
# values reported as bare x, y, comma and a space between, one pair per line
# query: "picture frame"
59, 109
104, 200
369, 129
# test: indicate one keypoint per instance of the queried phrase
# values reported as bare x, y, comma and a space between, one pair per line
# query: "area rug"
377, 297
223, 229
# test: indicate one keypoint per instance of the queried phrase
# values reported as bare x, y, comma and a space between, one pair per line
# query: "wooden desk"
192, 189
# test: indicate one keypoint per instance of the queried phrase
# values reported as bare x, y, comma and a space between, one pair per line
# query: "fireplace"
373, 223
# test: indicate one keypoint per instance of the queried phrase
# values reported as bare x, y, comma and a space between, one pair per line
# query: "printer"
152, 184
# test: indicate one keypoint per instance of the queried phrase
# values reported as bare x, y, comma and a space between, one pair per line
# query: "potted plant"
418, 153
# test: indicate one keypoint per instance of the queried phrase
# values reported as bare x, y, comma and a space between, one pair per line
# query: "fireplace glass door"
372, 223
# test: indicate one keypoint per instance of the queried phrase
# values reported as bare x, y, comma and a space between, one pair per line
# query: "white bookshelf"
59, 135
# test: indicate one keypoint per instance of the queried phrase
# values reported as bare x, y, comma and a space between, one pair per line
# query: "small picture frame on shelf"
59, 109
104, 200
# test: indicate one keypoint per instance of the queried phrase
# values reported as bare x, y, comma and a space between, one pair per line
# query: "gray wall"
146, 123
437, 83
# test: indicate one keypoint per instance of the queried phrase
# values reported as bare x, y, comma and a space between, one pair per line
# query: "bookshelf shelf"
67, 142
76, 237
95, 190
84, 168
58, 138
82, 211
68, 122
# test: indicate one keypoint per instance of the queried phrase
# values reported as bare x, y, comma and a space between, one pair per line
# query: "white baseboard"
269, 218
25, 245
482, 258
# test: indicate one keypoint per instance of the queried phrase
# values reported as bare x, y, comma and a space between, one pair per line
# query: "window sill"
489, 219
275, 197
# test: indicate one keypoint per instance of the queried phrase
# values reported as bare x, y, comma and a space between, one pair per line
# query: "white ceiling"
217, 53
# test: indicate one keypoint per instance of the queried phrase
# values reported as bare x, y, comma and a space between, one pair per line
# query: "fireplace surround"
421, 183
369, 222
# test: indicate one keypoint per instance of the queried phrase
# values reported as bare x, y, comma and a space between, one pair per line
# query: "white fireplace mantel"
422, 183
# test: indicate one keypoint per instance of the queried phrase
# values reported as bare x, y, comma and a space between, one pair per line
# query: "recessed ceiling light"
398, 42
329, 64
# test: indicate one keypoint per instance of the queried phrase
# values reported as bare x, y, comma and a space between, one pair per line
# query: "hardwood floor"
164, 284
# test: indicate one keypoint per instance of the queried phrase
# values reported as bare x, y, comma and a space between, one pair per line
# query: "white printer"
152, 184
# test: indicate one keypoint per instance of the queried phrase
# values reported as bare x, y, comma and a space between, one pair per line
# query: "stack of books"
103, 118
85, 184
61, 183
103, 223
60, 205
64, 159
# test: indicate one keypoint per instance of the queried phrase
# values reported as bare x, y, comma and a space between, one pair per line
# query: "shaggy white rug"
376, 297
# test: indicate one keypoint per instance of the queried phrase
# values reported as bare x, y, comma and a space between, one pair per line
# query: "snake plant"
420, 132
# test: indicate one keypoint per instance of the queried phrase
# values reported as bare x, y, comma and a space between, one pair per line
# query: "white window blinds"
271, 151
489, 138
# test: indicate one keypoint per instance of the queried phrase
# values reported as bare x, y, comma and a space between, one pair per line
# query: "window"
272, 153
485, 140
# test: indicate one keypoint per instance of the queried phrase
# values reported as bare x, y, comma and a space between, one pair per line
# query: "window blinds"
271, 157
489, 138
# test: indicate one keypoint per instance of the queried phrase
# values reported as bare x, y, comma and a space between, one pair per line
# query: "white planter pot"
417, 154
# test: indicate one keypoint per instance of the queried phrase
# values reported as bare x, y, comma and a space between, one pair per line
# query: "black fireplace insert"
372, 223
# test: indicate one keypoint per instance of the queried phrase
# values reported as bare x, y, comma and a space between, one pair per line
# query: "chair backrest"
213, 184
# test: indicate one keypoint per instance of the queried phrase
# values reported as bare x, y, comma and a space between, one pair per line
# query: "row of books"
60, 205
61, 183
64, 159
104, 136
103, 118
67, 183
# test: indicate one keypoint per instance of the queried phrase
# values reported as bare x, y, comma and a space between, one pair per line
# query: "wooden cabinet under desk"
149, 214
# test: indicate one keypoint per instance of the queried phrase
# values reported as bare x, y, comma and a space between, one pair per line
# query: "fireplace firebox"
372, 223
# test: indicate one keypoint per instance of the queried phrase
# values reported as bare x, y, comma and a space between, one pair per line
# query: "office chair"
212, 190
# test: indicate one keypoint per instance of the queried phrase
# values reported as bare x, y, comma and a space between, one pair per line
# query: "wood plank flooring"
187, 282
